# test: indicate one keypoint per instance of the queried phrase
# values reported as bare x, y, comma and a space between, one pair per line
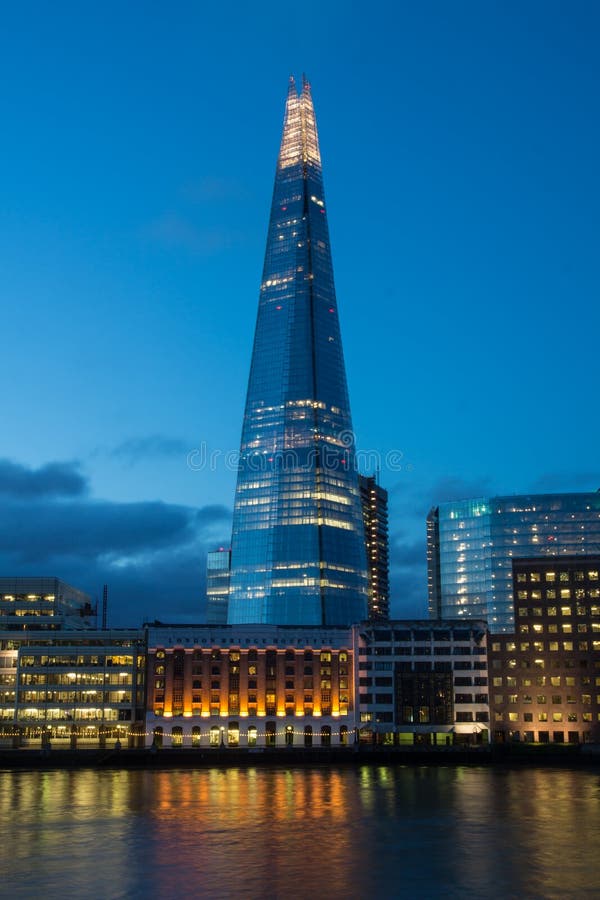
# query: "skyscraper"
374, 501
471, 545
298, 554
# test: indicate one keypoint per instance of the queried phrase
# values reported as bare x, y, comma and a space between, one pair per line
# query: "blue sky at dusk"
460, 144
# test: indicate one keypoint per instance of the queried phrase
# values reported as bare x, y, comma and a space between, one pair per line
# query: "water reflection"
401, 832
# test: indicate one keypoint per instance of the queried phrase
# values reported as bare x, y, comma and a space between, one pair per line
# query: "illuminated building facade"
374, 501
80, 689
545, 677
61, 678
247, 686
420, 683
298, 555
471, 545
218, 564
43, 603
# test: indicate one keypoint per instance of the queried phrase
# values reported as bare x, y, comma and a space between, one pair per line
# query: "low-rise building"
249, 686
419, 682
61, 679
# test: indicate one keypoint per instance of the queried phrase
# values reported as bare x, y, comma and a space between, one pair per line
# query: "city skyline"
463, 189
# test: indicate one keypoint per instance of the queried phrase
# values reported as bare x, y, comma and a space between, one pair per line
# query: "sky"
460, 145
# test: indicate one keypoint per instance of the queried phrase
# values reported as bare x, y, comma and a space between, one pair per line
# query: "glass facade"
298, 554
471, 545
218, 563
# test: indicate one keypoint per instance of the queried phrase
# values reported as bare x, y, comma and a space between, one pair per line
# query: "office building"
374, 500
218, 563
471, 545
297, 554
422, 683
38, 603
545, 677
60, 678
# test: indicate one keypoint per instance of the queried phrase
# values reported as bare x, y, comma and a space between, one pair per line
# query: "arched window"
289, 735
252, 736
177, 736
233, 734
196, 735
158, 737
214, 736
270, 733
308, 735
325, 736
344, 736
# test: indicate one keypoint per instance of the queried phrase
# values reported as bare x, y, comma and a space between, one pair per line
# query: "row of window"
565, 610
542, 680
536, 577
544, 717
556, 699
218, 736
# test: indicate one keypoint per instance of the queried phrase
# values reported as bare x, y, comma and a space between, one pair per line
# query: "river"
301, 832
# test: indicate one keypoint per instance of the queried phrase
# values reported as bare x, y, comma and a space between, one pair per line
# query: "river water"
300, 832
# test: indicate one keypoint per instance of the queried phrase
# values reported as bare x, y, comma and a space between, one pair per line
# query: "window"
177, 736
308, 736
252, 736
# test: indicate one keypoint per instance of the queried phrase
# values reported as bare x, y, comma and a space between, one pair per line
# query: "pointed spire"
299, 141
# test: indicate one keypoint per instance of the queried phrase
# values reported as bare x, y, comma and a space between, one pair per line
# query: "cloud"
405, 554
151, 554
55, 479
136, 450
408, 589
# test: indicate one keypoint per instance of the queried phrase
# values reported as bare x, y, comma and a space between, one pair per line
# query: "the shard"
298, 551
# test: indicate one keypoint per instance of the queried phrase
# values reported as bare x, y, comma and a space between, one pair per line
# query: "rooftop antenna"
104, 605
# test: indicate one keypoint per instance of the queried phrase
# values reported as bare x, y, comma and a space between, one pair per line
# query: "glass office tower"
298, 552
471, 545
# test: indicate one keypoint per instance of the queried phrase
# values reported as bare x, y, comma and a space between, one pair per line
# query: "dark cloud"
408, 590
136, 450
151, 554
55, 479
406, 553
